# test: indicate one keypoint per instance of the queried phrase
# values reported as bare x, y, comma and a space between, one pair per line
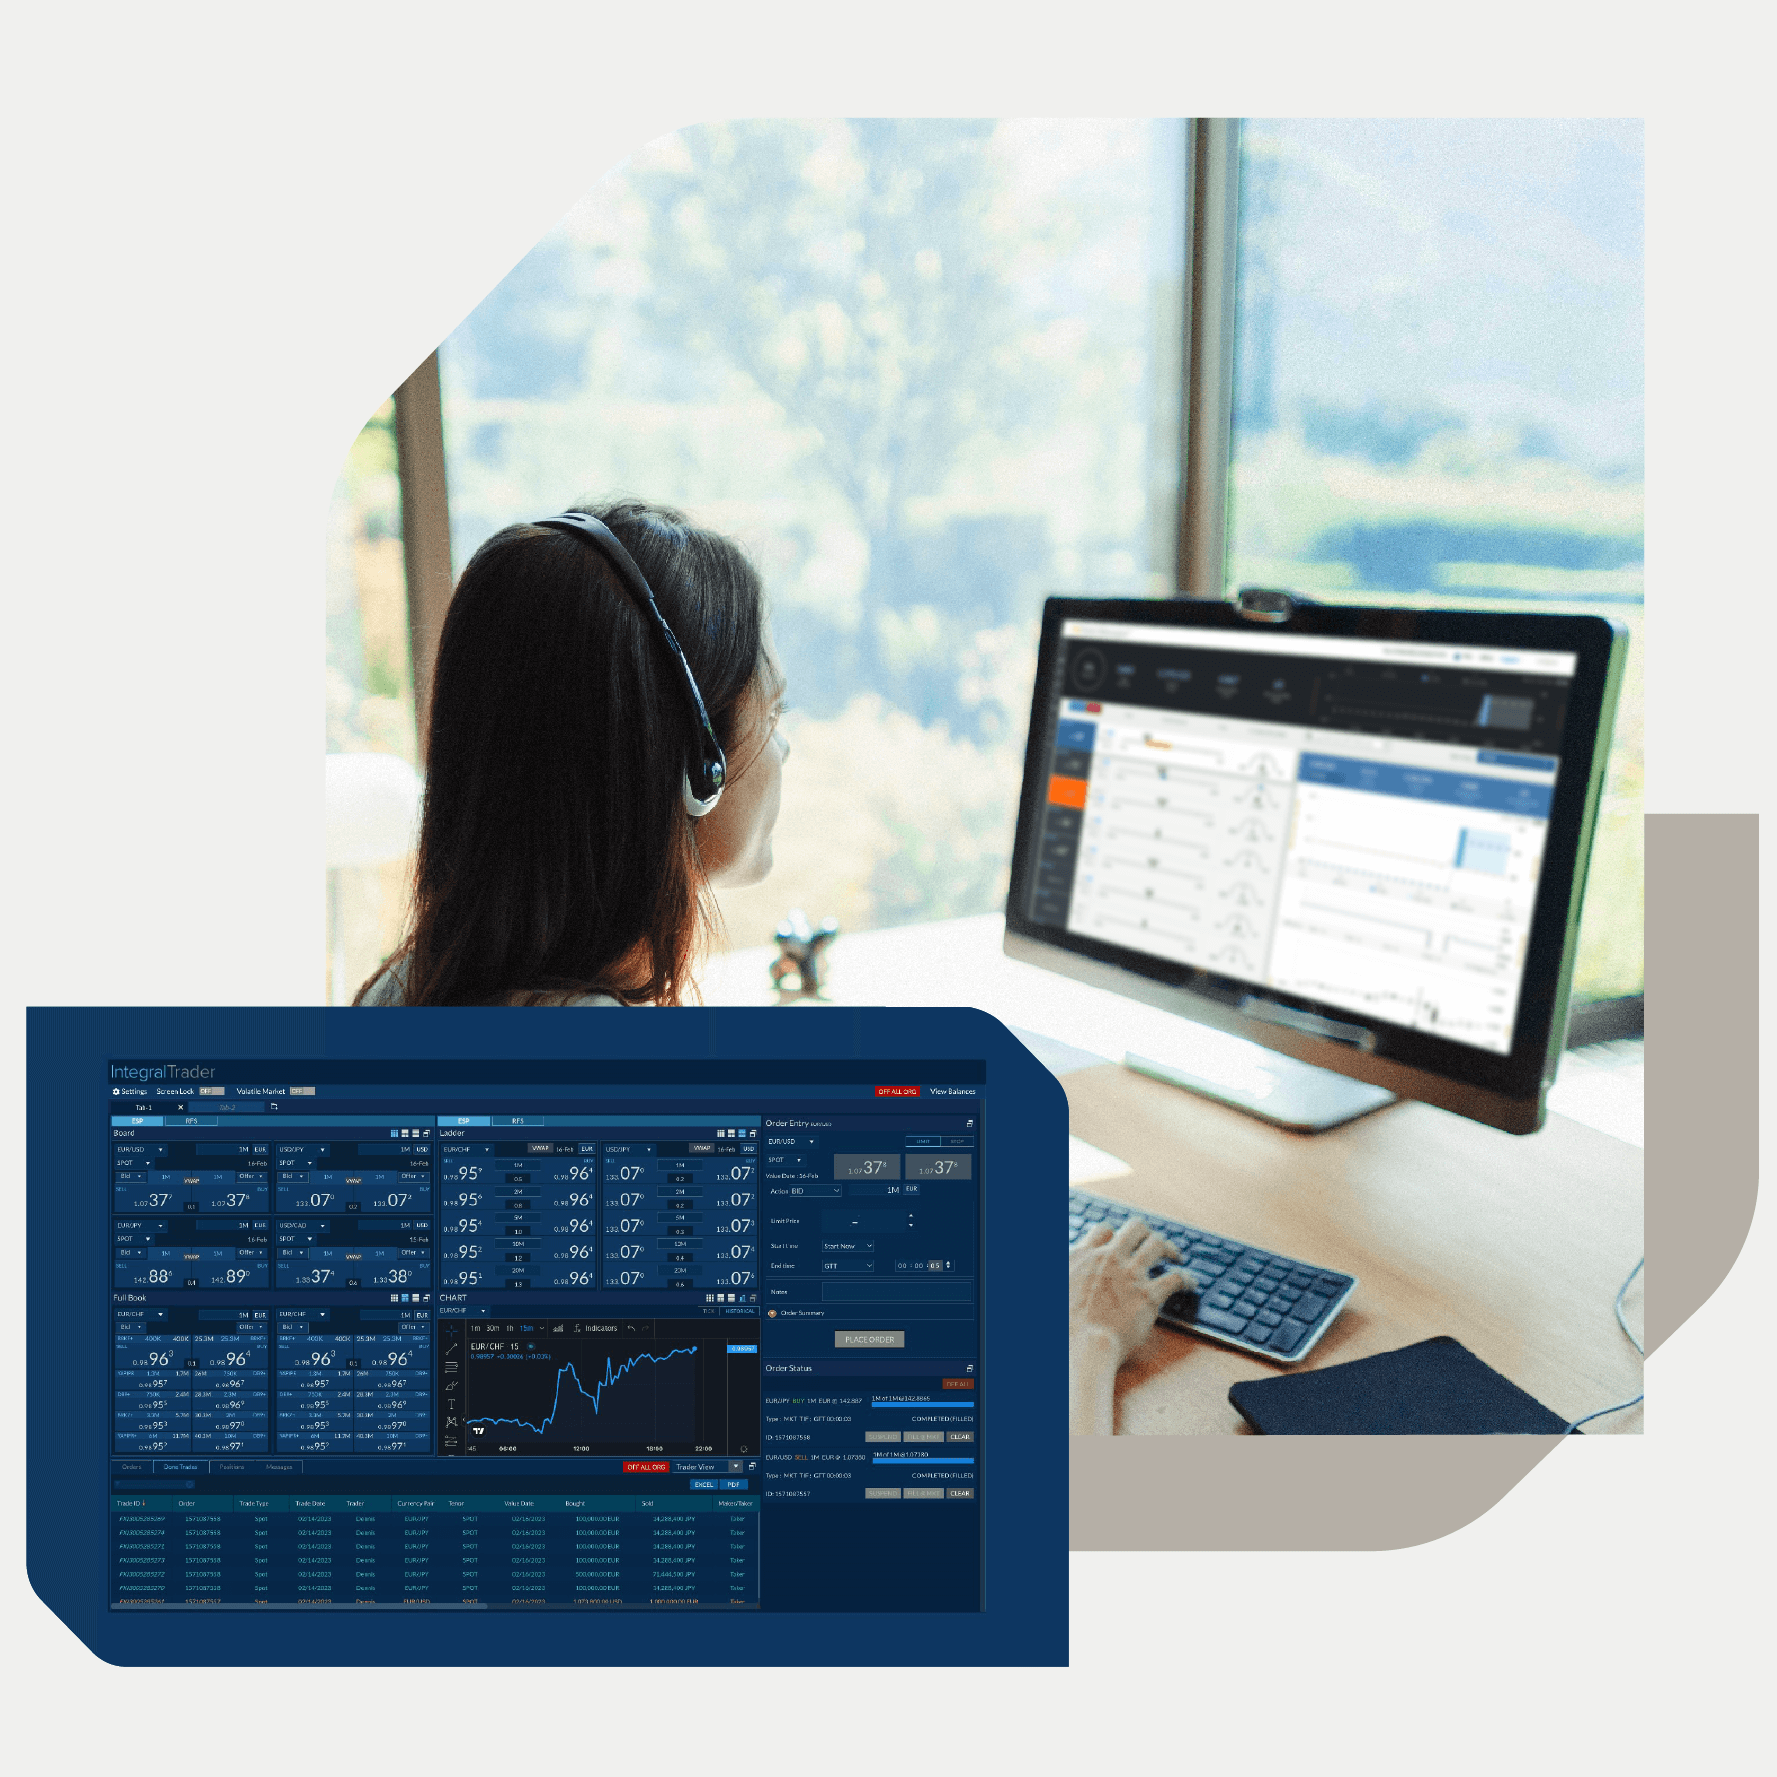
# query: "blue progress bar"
931, 1461
942, 1406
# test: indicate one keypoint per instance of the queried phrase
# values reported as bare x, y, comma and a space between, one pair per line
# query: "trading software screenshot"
493, 1338
1360, 821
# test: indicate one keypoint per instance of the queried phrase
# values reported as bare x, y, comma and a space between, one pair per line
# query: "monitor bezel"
1506, 1090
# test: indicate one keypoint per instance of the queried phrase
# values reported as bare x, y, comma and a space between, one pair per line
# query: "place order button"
869, 1339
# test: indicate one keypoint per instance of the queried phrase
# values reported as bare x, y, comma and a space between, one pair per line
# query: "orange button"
1068, 792
959, 1381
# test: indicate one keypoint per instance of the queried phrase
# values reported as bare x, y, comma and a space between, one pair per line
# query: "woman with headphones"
602, 752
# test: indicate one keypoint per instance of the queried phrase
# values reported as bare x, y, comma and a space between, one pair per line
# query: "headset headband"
707, 772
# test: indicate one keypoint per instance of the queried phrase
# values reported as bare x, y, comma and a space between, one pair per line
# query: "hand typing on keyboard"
1112, 1302
1239, 1295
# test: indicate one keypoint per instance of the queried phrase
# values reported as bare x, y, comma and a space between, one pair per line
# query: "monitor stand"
1277, 1088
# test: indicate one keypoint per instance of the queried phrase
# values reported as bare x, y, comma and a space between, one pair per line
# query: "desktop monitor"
1357, 837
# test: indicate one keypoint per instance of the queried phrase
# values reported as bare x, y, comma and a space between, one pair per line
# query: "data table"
465, 1549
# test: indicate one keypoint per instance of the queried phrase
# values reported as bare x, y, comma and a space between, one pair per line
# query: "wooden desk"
1515, 1245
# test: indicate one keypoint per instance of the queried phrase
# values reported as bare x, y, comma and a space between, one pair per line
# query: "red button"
647, 1468
897, 1092
959, 1381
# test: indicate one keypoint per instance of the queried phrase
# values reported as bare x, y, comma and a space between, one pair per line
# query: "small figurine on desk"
801, 953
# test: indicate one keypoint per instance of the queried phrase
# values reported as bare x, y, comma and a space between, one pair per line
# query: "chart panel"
584, 1387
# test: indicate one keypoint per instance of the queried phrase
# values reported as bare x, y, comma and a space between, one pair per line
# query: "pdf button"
877, 1341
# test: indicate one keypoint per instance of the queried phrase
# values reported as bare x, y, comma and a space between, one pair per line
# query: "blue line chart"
610, 1378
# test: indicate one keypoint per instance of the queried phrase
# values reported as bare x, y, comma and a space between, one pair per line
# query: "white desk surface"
1515, 1245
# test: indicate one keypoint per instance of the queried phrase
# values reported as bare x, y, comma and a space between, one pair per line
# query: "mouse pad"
1438, 1386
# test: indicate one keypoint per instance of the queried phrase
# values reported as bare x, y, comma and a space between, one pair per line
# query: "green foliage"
383, 676
373, 450
850, 272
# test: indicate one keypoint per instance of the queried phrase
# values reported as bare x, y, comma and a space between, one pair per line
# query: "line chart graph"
576, 1388
594, 1395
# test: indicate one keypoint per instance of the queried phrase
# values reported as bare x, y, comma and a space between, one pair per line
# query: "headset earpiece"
697, 806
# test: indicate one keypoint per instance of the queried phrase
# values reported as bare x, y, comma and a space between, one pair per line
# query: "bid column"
315, 1384
151, 1385
230, 1384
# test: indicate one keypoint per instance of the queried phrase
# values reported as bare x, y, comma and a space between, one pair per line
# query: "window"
1438, 397
929, 371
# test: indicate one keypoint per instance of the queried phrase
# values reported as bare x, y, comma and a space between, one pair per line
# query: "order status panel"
421, 1351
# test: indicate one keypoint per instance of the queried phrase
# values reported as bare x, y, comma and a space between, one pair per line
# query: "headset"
706, 771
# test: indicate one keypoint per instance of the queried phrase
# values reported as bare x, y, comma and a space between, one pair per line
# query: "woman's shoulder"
521, 996
389, 989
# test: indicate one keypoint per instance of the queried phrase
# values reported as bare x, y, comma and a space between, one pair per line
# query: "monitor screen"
1350, 822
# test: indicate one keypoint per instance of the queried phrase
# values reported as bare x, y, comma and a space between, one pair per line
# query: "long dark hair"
555, 856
